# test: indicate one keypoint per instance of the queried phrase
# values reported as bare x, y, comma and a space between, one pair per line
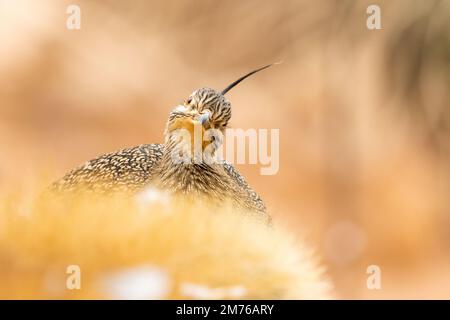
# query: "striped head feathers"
209, 101
203, 110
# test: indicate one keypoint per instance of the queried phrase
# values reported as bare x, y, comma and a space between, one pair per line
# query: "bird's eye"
189, 100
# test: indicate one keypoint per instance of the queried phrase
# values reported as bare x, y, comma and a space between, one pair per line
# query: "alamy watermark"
373, 281
73, 281
73, 21
251, 146
373, 21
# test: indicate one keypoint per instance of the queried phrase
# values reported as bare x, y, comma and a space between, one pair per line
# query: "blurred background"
364, 115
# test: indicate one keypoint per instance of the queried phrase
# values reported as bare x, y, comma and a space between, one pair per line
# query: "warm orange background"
363, 115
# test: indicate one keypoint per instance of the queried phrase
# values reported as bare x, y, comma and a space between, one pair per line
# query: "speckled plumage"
131, 170
127, 170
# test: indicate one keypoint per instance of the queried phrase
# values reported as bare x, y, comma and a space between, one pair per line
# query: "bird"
175, 166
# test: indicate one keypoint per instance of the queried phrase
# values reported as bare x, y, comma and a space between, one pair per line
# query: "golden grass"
194, 253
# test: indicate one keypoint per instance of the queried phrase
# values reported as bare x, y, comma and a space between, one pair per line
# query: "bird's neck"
191, 176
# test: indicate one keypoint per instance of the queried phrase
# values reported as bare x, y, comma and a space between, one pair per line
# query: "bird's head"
198, 122
202, 117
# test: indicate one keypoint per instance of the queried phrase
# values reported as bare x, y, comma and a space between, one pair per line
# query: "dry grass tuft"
129, 249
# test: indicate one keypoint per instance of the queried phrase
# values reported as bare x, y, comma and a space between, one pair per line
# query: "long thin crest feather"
224, 91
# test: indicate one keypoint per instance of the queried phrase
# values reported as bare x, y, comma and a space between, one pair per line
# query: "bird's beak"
192, 120
204, 117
